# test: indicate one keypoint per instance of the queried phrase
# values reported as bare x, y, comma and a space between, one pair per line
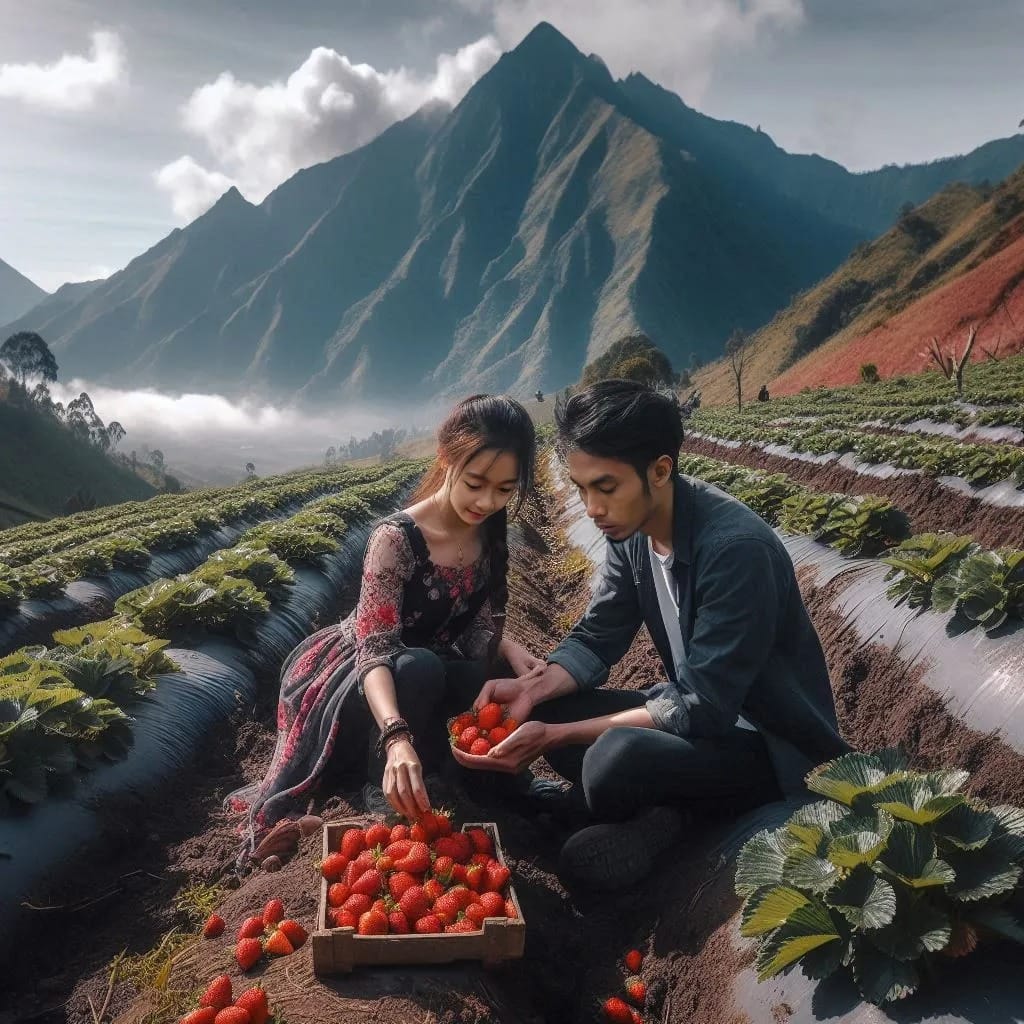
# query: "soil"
931, 506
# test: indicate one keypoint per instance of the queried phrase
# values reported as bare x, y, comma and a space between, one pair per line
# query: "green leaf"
808, 871
981, 873
847, 851
824, 961
912, 799
761, 860
1008, 833
847, 777
812, 823
917, 927
946, 781
882, 978
808, 928
864, 899
910, 856
770, 907
967, 826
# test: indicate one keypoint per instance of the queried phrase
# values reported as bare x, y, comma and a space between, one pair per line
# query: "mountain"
954, 261
17, 294
499, 245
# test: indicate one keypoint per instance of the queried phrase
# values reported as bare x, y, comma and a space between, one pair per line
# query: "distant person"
762, 395
539, 395
372, 693
747, 709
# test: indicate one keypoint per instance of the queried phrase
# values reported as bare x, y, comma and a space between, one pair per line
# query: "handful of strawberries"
420, 879
218, 1005
475, 732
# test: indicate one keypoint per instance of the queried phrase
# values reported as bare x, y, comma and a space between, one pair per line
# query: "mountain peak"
545, 42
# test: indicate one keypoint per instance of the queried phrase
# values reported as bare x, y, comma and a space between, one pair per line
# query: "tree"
869, 373
739, 353
634, 357
81, 417
42, 397
953, 368
115, 433
28, 356
156, 460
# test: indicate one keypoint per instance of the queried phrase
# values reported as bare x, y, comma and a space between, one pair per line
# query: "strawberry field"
908, 544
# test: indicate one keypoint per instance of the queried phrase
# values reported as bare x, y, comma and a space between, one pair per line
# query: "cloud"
677, 43
260, 135
72, 82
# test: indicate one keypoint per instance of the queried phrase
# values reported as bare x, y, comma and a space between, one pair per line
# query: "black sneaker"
375, 802
616, 856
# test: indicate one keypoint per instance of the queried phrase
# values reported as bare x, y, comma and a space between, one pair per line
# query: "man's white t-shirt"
668, 601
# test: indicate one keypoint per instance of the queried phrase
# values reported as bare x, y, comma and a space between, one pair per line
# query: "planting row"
63, 707
941, 571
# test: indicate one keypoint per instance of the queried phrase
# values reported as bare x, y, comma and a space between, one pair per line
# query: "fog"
209, 438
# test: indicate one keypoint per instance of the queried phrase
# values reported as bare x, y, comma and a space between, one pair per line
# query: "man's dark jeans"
630, 769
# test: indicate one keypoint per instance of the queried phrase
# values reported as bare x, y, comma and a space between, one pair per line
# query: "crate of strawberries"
419, 894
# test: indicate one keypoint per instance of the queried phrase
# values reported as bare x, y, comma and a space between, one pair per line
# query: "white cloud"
677, 43
260, 135
72, 82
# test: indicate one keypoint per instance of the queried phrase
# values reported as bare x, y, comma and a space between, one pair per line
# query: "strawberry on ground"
214, 926
273, 912
232, 1015
634, 960
252, 928
218, 993
204, 1015
248, 952
278, 944
296, 934
255, 1001
616, 1010
636, 990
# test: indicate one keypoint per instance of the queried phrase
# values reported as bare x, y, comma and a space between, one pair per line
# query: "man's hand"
520, 660
513, 692
521, 749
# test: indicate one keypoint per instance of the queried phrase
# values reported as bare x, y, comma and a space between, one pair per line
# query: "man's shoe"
375, 802
615, 856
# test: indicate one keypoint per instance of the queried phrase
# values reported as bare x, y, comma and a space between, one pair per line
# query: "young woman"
429, 621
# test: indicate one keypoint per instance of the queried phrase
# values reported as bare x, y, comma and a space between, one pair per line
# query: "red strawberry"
636, 990
474, 876
617, 1011
333, 866
430, 924
476, 913
634, 961
493, 904
369, 882
497, 734
468, 736
233, 1015
353, 842
247, 952
479, 747
381, 905
433, 888
337, 894
510, 910
496, 877
218, 993
352, 872
255, 1001
448, 905
366, 860
462, 925
358, 903
343, 918
443, 868
273, 912
414, 903
444, 823
214, 926
399, 832
417, 833
297, 935
398, 848
398, 923
204, 1015
510, 725
428, 823
462, 847
373, 922
378, 835
278, 944
483, 859
466, 718
399, 882
489, 716
481, 841
384, 863
635, 1017
416, 861
252, 928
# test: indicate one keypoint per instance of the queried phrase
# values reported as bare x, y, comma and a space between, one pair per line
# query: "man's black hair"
621, 419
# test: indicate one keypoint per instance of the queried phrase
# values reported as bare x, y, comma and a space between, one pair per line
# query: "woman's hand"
403, 780
520, 660
513, 692
511, 755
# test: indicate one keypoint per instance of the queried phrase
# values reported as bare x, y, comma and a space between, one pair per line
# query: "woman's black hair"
623, 420
487, 423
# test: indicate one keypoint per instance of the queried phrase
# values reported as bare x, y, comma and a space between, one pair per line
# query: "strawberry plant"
264, 570
862, 526
291, 543
986, 587
891, 870
920, 561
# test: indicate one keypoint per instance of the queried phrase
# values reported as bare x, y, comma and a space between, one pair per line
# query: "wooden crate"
338, 950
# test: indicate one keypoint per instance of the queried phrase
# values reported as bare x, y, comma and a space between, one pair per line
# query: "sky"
122, 120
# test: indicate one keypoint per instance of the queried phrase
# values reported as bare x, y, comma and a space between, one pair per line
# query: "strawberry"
496, 877
399, 882
462, 925
443, 868
444, 823
469, 735
398, 923
416, 861
278, 944
232, 1015
493, 904
384, 863
255, 1001
466, 718
510, 725
489, 716
635, 1017
373, 922
273, 912
510, 910
433, 888
448, 905
497, 734
297, 935
343, 918
366, 860
247, 952
633, 961
481, 841
636, 990
480, 747
398, 848
381, 905
430, 924
204, 1015
414, 903
378, 835
337, 894
252, 928
474, 876
358, 903
399, 832
218, 993
214, 926
616, 1011
476, 913
353, 843
333, 866
369, 882
417, 833
428, 823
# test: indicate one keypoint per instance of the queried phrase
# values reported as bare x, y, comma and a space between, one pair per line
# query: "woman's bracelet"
395, 727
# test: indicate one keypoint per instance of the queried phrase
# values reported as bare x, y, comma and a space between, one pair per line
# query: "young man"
747, 710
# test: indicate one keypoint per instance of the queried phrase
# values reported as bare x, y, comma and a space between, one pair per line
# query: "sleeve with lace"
387, 567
